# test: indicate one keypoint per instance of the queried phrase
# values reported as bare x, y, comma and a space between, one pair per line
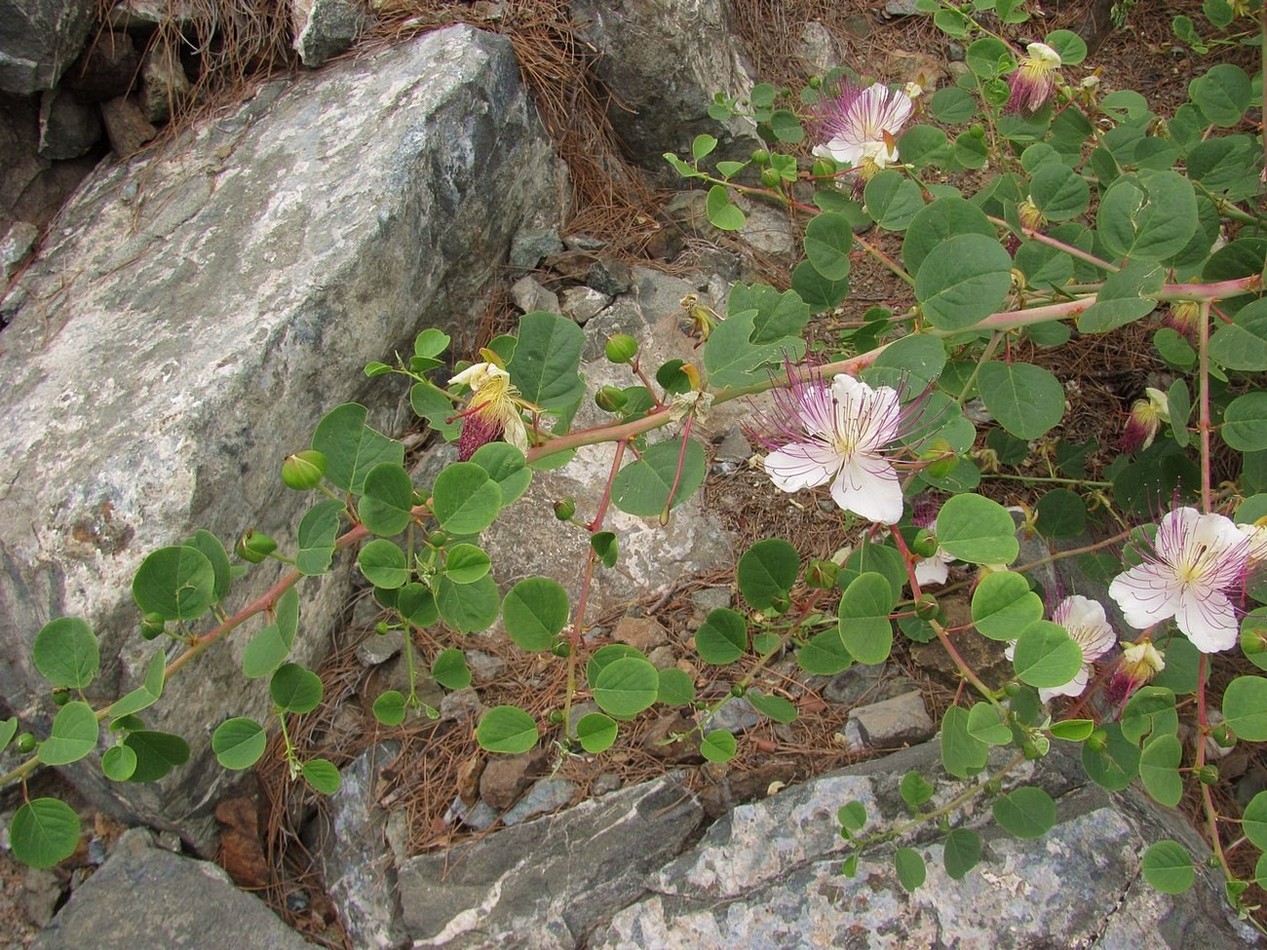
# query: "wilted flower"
1030, 215
861, 126
1034, 79
1182, 318
1144, 419
838, 433
1196, 560
493, 410
1141, 661
1085, 621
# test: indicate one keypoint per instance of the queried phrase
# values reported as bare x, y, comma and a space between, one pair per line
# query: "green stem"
1036, 479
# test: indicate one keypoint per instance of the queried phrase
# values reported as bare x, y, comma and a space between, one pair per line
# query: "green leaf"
817, 291
214, 551
963, 280
1222, 94
952, 106
767, 572
148, 693
1168, 867
924, 145
722, 638
1059, 192
828, 240
8, 729
865, 628
269, 648
322, 775
654, 483
1026, 400
389, 708
772, 707
44, 832
702, 145
450, 670
118, 763
911, 871
1115, 767
465, 500
962, 852
605, 656
1147, 216
430, 403
977, 530
718, 746
962, 753
157, 753
626, 687
1125, 297
1003, 605
869, 557
1159, 770
352, 448
66, 652
1061, 514
318, 531
544, 365
238, 743
295, 689
1045, 655
778, 315
852, 817
676, 688
733, 356
1069, 46
177, 583
1149, 712
1026, 812
824, 654
1072, 730
910, 364
723, 214
596, 732
383, 564
986, 725
506, 729
74, 735
1245, 708
506, 466
1254, 821
938, 222
534, 612
915, 789
1245, 422
1242, 344
466, 563
892, 200
468, 608
386, 508
417, 605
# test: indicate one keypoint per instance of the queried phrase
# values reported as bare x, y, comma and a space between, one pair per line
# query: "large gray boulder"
196, 311
39, 39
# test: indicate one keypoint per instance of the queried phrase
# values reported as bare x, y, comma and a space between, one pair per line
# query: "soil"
438, 760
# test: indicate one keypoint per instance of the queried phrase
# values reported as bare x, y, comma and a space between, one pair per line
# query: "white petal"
932, 570
1075, 687
1209, 620
840, 150
868, 486
801, 465
1147, 594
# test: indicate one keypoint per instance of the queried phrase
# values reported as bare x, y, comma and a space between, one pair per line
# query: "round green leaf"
1026, 400
417, 605
718, 746
852, 816
450, 670
1026, 812
389, 708
1222, 94
66, 652
911, 871
535, 611
627, 687
596, 732
1061, 514
1242, 344
605, 656
383, 564
828, 240
1072, 730
238, 743
506, 729
767, 572
1245, 422
1115, 767
1147, 216
915, 789
773, 707
73, 736
1159, 770
466, 563
892, 200
865, 628
210, 545
506, 466
322, 775
386, 508
118, 763
1254, 821
676, 688
985, 725
1069, 46
295, 689
157, 753
824, 654
1059, 192
43, 832
977, 530
643, 488
1168, 867
1046, 655
468, 608
465, 499
938, 222
962, 280
952, 106
1003, 605
962, 852
177, 583
722, 212
1245, 708
722, 638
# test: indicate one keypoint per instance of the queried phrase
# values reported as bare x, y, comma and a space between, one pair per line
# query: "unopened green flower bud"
254, 546
926, 607
925, 544
61, 696
304, 470
760, 157
565, 509
822, 575
1012, 689
26, 743
1223, 736
437, 539
1208, 774
815, 81
621, 348
737, 690
555, 716
152, 625
993, 787
561, 648
771, 178
610, 399
382, 628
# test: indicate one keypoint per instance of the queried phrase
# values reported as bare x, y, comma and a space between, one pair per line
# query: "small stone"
325, 28
819, 48
41, 891
711, 598
605, 784
477, 817
858, 25
16, 245
164, 85
144, 17
582, 242
69, 127
484, 666
461, 705
167, 840
609, 275
738, 715
126, 126
545, 796
581, 303
106, 69
378, 648
641, 633
530, 245
956, 53
505, 777
864, 683
896, 8
662, 658
895, 722
528, 295
734, 447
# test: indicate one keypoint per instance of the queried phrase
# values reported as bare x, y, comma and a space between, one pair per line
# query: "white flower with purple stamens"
1197, 559
1086, 623
838, 433
861, 125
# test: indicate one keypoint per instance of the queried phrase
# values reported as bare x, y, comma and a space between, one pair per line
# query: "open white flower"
1086, 623
861, 125
494, 409
1196, 560
838, 433
934, 569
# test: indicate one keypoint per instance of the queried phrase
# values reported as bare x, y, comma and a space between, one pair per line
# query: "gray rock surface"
39, 39
325, 28
890, 723
32, 188
545, 883
69, 127
144, 896
197, 311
